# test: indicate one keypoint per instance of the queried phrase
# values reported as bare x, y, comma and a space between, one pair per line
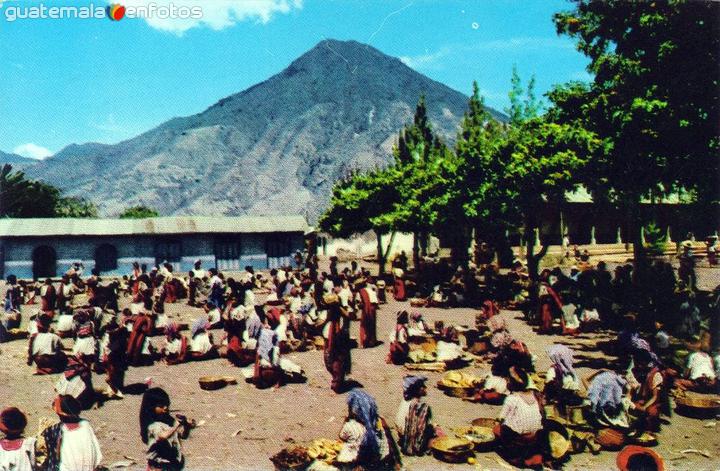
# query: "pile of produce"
292, 457
324, 449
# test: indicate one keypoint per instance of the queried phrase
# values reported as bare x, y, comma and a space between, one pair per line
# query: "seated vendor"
201, 344
520, 421
699, 375
413, 420
561, 381
609, 400
399, 347
45, 349
494, 388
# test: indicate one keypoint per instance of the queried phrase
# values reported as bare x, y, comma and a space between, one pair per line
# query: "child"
162, 432
17, 453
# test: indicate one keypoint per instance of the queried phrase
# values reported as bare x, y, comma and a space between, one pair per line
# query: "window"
227, 254
170, 251
44, 262
106, 258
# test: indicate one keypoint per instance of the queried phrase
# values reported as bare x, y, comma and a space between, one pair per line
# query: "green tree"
469, 195
24, 198
538, 163
653, 100
418, 157
139, 212
73, 207
360, 203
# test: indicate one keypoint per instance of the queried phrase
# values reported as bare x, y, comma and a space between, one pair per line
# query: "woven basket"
695, 400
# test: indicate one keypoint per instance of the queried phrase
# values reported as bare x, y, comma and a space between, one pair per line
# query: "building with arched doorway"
45, 248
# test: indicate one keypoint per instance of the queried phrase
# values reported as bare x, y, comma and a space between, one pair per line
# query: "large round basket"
291, 458
610, 439
693, 400
452, 450
456, 391
211, 383
482, 436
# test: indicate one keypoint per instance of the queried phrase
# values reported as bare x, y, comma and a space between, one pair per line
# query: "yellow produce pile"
324, 449
456, 379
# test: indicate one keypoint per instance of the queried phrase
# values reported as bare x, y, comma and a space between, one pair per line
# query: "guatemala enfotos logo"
114, 11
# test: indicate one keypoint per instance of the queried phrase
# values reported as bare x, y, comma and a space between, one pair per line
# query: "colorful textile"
606, 393
364, 409
417, 431
562, 359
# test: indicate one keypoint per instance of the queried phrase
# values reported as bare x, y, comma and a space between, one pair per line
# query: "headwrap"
12, 421
562, 358
171, 330
639, 346
412, 385
266, 342
364, 409
253, 325
606, 392
67, 406
496, 323
200, 325
501, 339
416, 316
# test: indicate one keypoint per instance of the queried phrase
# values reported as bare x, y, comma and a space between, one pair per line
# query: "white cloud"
425, 60
433, 59
32, 151
216, 14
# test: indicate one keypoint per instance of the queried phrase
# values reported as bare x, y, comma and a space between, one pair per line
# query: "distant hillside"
18, 162
276, 147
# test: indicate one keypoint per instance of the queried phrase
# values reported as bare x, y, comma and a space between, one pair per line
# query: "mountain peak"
286, 140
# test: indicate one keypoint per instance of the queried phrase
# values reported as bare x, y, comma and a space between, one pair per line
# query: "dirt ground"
242, 426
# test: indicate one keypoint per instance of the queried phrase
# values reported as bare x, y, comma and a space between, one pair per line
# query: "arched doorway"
105, 258
44, 262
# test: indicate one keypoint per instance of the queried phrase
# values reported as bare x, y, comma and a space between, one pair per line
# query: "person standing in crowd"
368, 319
336, 352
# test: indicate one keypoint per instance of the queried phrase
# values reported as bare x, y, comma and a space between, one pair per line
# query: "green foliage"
73, 207
655, 239
654, 100
523, 103
24, 198
139, 212
360, 203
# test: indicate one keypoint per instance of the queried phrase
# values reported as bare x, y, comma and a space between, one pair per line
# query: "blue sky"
66, 81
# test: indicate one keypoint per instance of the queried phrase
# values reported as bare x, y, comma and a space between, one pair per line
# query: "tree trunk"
380, 253
389, 246
416, 251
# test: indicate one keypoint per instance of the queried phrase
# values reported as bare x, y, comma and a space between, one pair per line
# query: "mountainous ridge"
275, 147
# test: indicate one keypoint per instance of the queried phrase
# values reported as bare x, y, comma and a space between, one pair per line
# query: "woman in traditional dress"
368, 320
367, 441
550, 306
48, 297
175, 350
609, 401
139, 350
399, 346
201, 343
649, 397
115, 357
520, 423
45, 349
70, 445
336, 353
561, 381
414, 417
